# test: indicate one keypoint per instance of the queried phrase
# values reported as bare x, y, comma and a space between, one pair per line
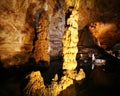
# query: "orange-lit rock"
41, 44
107, 34
35, 29
35, 84
70, 37
17, 30
14, 46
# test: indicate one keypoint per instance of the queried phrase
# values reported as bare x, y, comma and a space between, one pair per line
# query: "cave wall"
21, 30
56, 29
104, 24
16, 33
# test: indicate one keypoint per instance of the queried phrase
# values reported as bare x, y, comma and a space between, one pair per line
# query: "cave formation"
58, 47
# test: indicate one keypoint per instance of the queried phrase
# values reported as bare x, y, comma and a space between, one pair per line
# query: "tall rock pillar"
41, 52
70, 37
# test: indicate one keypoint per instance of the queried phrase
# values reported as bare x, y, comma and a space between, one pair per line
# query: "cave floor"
97, 83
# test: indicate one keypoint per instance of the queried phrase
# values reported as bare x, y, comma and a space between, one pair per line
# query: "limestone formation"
40, 29
70, 37
36, 85
41, 52
103, 32
17, 30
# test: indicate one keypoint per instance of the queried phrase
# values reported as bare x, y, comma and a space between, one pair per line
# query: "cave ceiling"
103, 19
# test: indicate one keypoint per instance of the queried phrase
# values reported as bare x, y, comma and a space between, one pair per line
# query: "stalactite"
70, 37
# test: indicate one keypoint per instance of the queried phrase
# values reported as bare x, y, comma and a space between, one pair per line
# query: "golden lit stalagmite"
70, 40
70, 37
35, 86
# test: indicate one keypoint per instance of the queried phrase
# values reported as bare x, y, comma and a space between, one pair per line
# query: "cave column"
70, 37
41, 52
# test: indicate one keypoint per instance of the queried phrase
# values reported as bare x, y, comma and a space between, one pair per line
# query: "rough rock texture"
18, 22
18, 25
13, 31
35, 28
105, 23
41, 52
107, 34
36, 85
19, 32
70, 37
56, 29
16, 31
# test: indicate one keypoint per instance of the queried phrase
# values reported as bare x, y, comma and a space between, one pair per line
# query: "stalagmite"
35, 85
70, 37
41, 44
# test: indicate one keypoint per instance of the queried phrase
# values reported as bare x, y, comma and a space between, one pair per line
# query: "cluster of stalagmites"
36, 87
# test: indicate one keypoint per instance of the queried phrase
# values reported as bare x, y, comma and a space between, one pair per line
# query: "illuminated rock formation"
36, 85
35, 29
41, 52
70, 37
16, 31
70, 40
107, 34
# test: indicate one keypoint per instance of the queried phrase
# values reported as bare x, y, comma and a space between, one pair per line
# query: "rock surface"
34, 29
